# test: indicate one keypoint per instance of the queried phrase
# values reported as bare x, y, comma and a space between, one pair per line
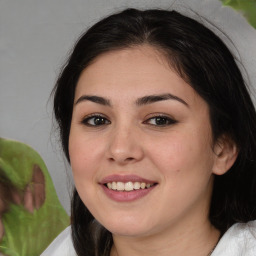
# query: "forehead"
133, 71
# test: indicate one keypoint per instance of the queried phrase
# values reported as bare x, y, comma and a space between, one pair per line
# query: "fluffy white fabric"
239, 240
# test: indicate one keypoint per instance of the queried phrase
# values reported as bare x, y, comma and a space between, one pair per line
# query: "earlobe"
226, 153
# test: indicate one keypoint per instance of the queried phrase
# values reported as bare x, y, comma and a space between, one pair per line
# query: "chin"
133, 229
129, 232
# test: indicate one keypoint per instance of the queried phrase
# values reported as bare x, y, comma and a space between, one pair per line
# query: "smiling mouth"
128, 186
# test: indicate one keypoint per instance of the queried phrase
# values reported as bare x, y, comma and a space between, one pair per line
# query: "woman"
158, 126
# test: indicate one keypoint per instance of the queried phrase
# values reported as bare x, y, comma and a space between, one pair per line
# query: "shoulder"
61, 246
240, 239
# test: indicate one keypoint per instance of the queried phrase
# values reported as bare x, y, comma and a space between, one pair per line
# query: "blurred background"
35, 38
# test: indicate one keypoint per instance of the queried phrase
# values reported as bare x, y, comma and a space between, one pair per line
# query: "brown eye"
161, 121
95, 121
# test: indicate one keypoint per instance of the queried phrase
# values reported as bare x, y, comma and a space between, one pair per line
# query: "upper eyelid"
152, 115
94, 115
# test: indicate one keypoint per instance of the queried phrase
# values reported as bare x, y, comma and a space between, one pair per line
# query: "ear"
226, 153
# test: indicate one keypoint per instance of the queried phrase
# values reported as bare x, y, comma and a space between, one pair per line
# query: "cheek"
182, 152
81, 155
185, 164
82, 166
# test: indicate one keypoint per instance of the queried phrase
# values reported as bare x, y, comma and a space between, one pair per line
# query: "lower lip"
126, 196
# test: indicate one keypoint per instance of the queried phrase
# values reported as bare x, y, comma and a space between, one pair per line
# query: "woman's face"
140, 144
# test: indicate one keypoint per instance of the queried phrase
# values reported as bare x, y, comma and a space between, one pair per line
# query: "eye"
160, 121
95, 120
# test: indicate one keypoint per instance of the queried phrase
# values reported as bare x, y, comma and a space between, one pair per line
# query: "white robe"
239, 240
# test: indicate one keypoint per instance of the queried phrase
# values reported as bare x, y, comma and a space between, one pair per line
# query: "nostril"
128, 159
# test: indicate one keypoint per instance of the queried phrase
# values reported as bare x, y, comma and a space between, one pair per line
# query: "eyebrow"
155, 98
139, 102
95, 99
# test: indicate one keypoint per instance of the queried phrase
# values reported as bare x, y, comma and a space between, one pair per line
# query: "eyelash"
160, 118
104, 121
86, 120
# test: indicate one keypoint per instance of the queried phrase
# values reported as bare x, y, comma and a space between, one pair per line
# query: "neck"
193, 241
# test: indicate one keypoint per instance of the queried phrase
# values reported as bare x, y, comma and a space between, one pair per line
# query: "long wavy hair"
201, 59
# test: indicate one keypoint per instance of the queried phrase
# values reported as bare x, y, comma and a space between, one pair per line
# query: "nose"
125, 146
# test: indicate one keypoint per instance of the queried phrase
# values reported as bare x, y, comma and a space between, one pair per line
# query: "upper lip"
125, 178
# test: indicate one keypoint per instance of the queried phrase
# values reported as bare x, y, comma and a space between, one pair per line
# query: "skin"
179, 156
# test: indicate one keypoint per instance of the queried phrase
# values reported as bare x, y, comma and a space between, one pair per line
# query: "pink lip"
126, 196
125, 178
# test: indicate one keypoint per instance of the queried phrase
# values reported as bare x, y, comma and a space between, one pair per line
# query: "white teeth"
128, 186
113, 185
120, 186
136, 185
142, 185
